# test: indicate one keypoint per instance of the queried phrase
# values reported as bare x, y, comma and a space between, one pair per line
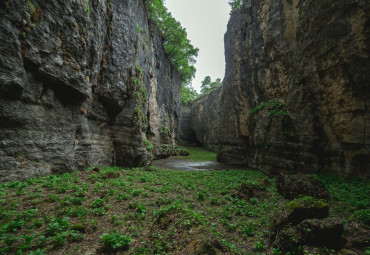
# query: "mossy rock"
297, 211
306, 208
180, 152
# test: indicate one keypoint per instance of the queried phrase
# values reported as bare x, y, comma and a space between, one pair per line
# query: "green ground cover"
148, 212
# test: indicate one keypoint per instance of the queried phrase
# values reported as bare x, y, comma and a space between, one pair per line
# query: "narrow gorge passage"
199, 159
96, 105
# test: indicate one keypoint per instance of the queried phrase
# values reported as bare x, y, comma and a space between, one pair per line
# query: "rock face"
205, 117
187, 135
296, 92
82, 83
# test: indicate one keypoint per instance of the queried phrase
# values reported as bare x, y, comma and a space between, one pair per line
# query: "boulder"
306, 208
180, 152
311, 234
295, 212
298, 185
358, 235
321, 232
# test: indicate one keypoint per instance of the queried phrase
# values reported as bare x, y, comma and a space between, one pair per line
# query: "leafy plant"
208, 84
259, 245
97, 203
57, 225
165, 130
276, 105
115, 241
188, 95
362, 216
148, 145
87, 6
201, 196
235, 4
247, 229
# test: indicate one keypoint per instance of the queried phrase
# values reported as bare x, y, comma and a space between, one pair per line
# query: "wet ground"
181, 163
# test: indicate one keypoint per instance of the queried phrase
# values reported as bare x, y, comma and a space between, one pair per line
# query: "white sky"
205, 22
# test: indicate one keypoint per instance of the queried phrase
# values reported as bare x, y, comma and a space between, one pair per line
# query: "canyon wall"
296, 93
205, 118
83, 83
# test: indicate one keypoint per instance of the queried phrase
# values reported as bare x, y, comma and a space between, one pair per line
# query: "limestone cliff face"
82, 83
205, 118
296, 93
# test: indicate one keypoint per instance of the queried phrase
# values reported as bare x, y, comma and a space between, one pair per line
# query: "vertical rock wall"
82, 83
205, 117
296, 93
187, 135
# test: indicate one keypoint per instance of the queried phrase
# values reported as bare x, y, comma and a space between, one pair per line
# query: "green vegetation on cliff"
208, 84
176, 44
235, 4
188, 94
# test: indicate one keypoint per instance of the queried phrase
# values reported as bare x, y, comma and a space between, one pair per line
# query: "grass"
147, 212
198, 154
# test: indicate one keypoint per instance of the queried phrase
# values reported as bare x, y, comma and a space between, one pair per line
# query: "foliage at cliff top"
188, 95
208, 84
235, 4
176, 44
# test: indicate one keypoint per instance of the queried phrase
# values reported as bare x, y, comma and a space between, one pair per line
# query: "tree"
188, 94
176, 44
235, 4
207, 84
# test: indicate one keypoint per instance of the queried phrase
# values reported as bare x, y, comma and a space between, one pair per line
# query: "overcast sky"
205, 22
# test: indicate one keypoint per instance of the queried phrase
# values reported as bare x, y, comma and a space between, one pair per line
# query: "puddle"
180, 164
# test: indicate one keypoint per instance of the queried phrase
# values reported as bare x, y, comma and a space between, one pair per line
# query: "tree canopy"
188, 94
208, 84
235, 4
176, 44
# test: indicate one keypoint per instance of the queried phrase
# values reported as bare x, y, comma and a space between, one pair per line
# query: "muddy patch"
186, 165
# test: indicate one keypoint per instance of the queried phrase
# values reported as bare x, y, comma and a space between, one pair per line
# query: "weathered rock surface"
299, 185
313, 232
205, 117
358, 235
296, 92
297, 211
82, 83
187, 135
